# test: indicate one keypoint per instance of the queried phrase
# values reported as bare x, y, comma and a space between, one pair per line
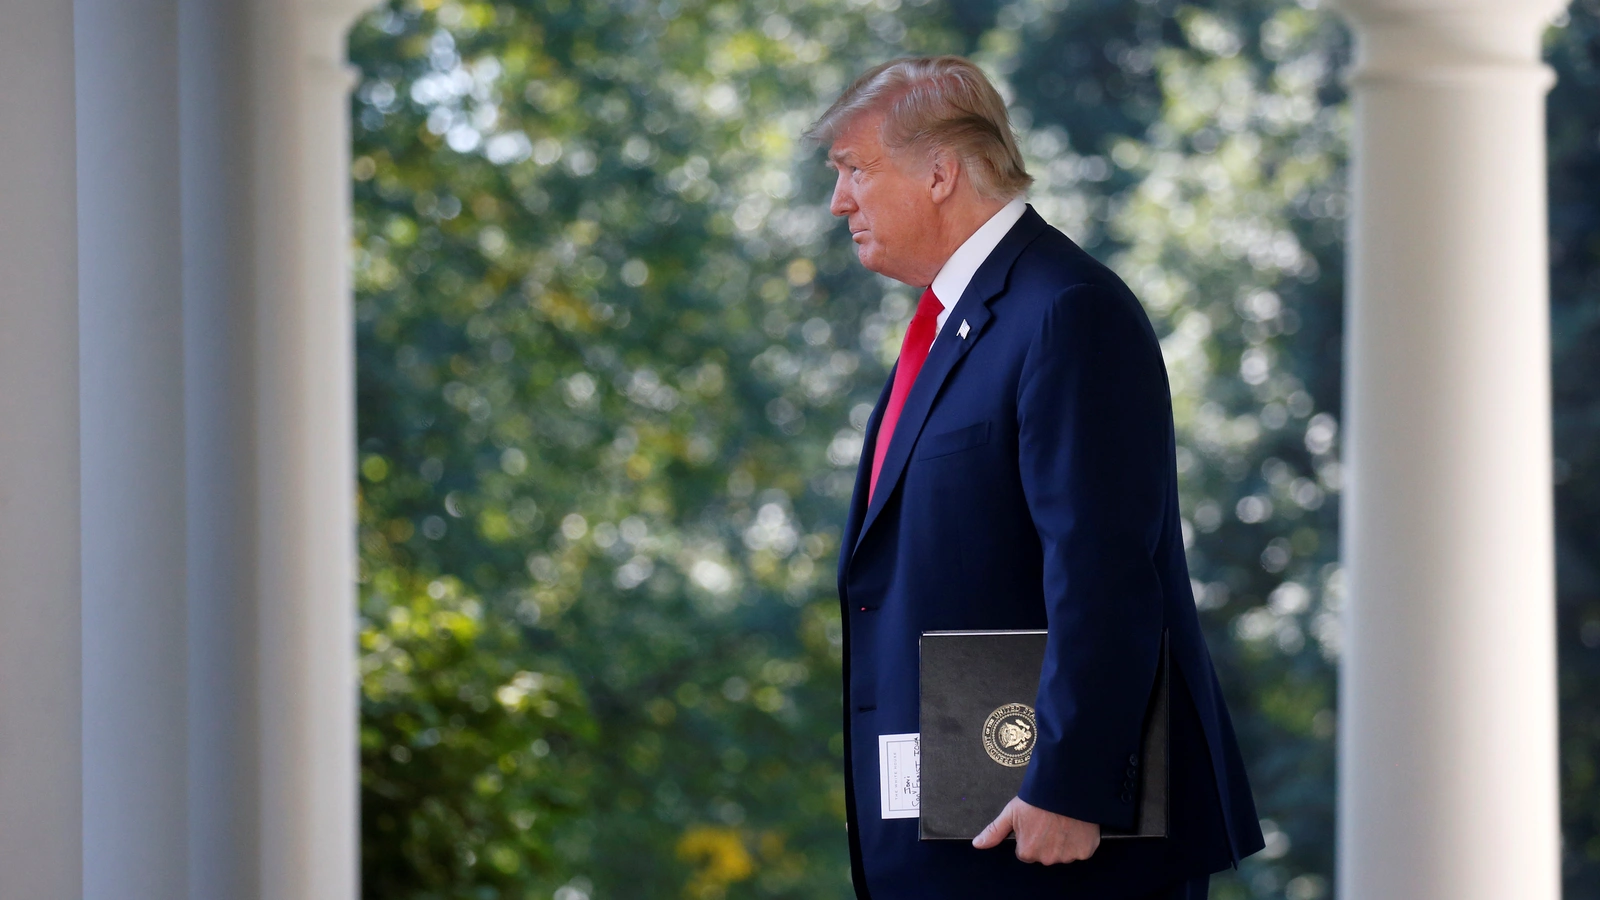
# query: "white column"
40, 658
130, 301
305, 446
1447, 764
219, 414
269, 402
177, 682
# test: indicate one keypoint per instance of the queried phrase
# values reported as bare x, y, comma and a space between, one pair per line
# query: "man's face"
887, 203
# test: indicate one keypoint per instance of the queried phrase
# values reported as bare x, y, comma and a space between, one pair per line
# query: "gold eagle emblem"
1010, 733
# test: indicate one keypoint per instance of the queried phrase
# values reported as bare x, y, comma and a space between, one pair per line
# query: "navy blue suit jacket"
1030, 483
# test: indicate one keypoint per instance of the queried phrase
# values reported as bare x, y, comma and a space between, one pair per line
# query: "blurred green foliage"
1573, 49
615, 359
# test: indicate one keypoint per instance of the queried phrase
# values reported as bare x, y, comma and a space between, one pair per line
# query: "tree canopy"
615, 361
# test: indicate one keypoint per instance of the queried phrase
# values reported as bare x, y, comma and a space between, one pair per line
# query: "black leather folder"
978, 690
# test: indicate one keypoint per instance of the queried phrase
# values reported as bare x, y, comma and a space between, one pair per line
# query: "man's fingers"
996, 832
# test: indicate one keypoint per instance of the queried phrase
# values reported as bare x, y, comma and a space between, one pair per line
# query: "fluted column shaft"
1447, 765
41, 734
305, 440
178, 696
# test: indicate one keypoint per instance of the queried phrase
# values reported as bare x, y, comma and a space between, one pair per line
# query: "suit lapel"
948, 349
858, 496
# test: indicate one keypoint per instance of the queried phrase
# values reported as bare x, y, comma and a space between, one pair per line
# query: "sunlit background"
616, 359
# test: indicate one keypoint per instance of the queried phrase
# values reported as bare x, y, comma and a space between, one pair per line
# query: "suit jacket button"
1132, 771
1127, 797
1133, 759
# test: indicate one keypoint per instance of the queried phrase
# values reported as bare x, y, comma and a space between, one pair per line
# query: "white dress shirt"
952, 280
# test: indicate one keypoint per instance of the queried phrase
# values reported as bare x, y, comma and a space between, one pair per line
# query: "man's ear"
944, 174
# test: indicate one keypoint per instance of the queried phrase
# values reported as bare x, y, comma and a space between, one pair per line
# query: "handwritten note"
899, 774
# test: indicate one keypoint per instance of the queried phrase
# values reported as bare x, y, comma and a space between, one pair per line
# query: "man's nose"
842, 204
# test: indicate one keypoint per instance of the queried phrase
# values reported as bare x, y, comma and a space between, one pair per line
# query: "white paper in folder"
899, 774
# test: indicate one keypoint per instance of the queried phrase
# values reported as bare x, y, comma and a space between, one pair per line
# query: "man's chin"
871, 259
875, 263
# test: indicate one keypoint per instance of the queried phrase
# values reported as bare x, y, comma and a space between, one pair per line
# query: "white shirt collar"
952, 280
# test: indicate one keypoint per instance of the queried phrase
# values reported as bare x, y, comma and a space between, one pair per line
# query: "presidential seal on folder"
1008, 734
978, 731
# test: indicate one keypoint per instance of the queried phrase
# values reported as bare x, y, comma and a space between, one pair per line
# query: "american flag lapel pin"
964, 329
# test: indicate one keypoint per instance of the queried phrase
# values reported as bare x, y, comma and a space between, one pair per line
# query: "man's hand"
1042, 836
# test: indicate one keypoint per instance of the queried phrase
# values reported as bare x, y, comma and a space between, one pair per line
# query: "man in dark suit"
1018, 474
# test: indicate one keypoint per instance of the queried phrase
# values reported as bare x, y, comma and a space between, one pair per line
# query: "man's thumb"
996, 832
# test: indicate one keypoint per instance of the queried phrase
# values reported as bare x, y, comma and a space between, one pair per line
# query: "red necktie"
913, 353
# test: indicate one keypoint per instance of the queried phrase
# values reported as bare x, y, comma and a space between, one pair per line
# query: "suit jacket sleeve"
1094, 433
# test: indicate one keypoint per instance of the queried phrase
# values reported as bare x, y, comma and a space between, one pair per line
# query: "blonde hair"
936, 103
